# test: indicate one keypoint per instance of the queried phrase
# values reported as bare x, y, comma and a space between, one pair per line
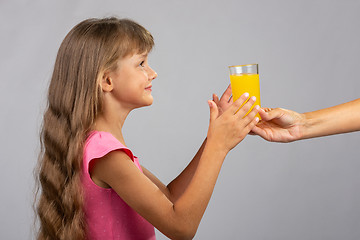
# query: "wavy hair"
74, 102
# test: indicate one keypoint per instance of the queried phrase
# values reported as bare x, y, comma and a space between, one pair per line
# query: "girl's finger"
216, 99
248, 118
237, 104
246, 108
214, 112
227, 94
252, 124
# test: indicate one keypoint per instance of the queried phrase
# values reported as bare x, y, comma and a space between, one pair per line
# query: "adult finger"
263, 112
270, 114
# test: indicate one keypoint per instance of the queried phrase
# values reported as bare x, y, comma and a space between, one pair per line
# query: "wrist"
216, 147
307, 125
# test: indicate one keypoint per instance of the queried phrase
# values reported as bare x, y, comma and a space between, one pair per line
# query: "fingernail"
246, 95
257, 119
257, 107
253, 98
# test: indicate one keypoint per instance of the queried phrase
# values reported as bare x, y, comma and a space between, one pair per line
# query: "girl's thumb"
213, 110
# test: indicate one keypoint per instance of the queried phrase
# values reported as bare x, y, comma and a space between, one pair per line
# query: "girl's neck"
112, 124
113, 116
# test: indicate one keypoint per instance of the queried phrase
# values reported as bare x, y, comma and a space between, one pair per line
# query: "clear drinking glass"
245, 78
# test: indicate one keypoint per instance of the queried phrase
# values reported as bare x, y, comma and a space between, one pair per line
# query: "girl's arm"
177, 186
281, 125
179, 219
181, 182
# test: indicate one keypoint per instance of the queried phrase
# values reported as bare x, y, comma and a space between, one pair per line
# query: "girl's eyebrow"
144, 55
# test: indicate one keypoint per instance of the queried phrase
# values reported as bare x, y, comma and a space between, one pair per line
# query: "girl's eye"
142, 63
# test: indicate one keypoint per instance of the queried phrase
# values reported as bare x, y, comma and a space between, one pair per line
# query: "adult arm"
282, 125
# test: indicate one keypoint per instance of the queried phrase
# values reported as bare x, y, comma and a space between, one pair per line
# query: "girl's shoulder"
99, 143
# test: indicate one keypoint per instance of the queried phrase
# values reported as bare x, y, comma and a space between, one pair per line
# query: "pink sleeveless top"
107, 215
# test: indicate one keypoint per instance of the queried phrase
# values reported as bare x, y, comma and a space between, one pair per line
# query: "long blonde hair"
74, 101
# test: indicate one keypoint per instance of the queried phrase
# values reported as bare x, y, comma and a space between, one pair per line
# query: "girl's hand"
225, 101
229, 129
279, 125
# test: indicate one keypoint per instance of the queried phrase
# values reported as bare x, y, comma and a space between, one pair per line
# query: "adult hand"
279, 125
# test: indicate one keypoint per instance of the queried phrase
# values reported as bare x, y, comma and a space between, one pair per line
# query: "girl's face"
132, 81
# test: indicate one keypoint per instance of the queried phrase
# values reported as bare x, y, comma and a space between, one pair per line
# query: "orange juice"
246, 82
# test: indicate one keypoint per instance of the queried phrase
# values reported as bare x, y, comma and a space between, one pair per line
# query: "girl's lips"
148, 88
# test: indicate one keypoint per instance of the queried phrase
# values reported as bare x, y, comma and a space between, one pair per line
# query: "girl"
92, 185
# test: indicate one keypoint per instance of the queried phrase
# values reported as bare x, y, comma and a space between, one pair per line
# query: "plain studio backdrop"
309, 58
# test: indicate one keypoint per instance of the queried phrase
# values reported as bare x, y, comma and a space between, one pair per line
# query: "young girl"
92, 185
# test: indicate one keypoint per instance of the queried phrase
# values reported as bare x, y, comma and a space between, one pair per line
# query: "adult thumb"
268, 114
214, 111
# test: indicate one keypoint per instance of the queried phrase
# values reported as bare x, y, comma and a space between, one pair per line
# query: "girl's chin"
149, 101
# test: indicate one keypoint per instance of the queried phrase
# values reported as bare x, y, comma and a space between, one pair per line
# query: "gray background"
309, 56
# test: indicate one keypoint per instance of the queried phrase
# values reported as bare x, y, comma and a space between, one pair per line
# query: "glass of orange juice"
245, 78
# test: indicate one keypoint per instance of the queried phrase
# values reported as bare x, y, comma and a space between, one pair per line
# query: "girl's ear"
106, 83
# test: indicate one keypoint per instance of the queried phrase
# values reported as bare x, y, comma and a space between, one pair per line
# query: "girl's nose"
152, 74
